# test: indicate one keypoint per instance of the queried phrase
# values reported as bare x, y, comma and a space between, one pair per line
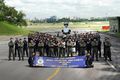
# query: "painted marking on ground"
54, 74
112, 66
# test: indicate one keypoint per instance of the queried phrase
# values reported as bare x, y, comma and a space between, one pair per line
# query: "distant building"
114, 24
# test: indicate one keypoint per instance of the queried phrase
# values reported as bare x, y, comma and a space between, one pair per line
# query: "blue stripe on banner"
72, 62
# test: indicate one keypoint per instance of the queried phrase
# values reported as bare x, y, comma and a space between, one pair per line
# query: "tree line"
10, 14
54, 19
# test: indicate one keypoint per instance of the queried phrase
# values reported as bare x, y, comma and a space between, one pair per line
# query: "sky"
66, 8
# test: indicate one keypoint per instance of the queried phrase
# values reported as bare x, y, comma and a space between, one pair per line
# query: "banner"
105, 27
73, 62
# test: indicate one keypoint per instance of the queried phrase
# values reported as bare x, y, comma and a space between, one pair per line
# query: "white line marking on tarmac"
112, 66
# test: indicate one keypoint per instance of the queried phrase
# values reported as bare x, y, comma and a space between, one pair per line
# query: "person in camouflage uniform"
46, 47
16, 46
41, 48
31, 45
107, 50
56, 49
82, 46
88, 46
51, 48
11, 49
20, 49
69, 48
62, 49
73, 47
94, 45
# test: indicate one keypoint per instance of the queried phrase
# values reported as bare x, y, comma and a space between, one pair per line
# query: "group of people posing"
77, 44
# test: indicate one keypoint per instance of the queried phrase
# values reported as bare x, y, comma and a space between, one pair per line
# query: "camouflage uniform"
107, 50
56, 50
69, 48
51, 48
11, 50
82, 48
73, 47
46, 46
16, 47
88, 46
95, 49
62, 49
31, 48
41, 48
20, 50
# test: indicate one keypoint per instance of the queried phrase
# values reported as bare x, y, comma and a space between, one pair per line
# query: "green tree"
20, 19
2, 5
11, 15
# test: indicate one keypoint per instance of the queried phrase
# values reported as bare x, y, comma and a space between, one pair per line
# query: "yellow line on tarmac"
54, 74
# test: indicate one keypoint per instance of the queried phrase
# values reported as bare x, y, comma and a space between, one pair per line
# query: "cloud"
61, 8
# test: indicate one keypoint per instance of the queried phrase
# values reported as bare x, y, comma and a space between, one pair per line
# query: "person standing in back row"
41, 48
88, 46
82, 47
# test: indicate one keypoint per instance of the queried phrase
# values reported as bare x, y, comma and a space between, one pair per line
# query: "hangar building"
114, 24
